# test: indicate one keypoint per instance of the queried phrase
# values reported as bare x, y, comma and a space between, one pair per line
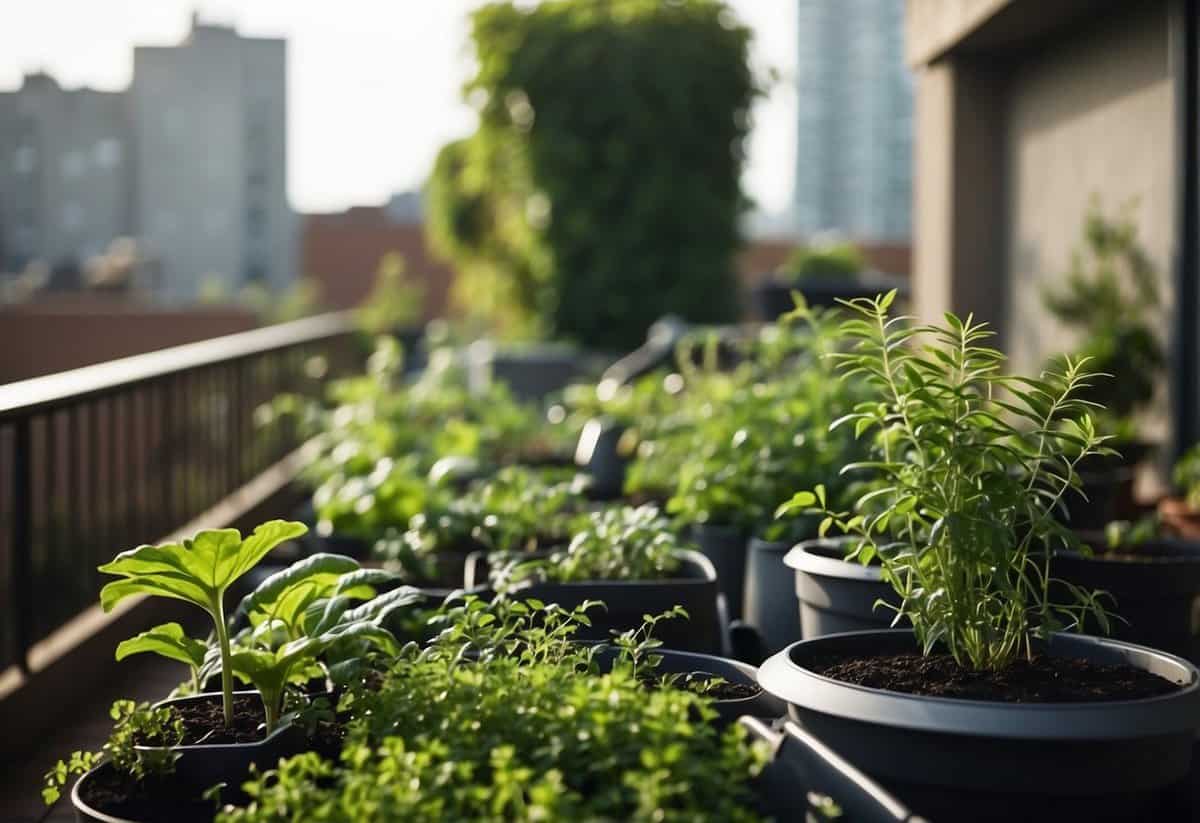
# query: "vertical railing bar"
98, 533
79, 558
165, 454
50, 544
185, 444
116, 536
21, 569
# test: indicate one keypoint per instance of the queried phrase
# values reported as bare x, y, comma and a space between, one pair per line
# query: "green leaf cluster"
832, 261
973, 466
589, 221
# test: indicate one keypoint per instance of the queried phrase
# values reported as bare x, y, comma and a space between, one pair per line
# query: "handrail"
38, 393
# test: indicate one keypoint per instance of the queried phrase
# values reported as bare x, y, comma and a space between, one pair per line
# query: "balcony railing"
98, 459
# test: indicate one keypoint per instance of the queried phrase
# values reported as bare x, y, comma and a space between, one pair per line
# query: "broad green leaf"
167, 640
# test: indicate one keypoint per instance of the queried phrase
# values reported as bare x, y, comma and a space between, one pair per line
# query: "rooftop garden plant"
197, 571
830, 261
615, 543
974, 465
1111, 297
504, 718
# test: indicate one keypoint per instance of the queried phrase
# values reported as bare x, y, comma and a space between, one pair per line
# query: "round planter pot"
837, 595
1157, 592
954, 759
694, 587
725, 546
732, 671
203, 765
774, 297
597, 451
769, 601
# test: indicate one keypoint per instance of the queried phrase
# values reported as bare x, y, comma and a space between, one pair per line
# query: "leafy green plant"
590, 226
1126, 536
304, 611
1186, 476
974, 465
1111, 296
133, 725
617, 543
834, 261
503, 717
197, 571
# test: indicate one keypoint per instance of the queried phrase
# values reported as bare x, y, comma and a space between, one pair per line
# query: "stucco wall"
1089, 114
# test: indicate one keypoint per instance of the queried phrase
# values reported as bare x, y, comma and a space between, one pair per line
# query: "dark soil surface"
204, 720
158, 800
722, 690
1043, 679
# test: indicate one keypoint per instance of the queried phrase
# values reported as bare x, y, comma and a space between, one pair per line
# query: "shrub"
601, 189
837, 261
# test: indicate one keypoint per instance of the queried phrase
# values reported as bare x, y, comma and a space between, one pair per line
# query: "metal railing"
99, 459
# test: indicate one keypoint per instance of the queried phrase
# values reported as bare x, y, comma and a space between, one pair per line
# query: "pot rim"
1184, 558
282, 728
83, 807
802, 558
1174, 713
686, 555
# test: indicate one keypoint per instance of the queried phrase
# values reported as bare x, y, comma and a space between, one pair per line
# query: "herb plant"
973, 466
170, 641
133, 725
503, 717
198, 571
833, 261
616, 543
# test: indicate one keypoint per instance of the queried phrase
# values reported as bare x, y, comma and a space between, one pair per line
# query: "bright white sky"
374, 84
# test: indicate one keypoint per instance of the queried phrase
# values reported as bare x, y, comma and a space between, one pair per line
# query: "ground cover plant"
502, 717
975, 465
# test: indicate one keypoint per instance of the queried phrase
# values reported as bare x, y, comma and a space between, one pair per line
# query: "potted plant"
988, 706
503, 716
632, 560
1111, 297
1182, 514
294, 618
823, 272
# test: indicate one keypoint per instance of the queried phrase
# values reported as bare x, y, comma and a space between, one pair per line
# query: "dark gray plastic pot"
694, 587
769, 602
725, 546
733, 671
801, 764
1157, 592
837, 595
204, 765
955, 759
597, 451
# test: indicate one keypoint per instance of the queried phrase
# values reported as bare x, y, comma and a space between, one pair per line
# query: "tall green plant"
601, 189
973, 466
197, 571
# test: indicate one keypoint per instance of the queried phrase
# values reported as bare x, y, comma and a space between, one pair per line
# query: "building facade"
191, 160
854, 120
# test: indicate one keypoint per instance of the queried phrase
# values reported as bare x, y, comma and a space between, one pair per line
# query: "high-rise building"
191, 160
210, 120
65, 172
854, 117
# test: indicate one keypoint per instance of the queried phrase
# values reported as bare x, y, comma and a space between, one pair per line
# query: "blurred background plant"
824, 261
589, 222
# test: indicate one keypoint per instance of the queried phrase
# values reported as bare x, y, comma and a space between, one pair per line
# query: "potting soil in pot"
204, 721
1042, 679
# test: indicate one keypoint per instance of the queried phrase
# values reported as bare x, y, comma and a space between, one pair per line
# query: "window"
256, 220
107, 153
72, 216
24, 159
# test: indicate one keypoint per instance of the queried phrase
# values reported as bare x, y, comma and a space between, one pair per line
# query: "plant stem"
226, 665
271, 709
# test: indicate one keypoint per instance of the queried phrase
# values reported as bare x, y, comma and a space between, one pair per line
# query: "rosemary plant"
972, 467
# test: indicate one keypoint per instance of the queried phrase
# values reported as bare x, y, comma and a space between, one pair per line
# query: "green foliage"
837, 261
503, 717
617, 543
159, 729
765, 431
1111, 296
395, 301
300, 613
590, 222
1126, 537
973, 466
1186, 476
168, 640
198, 571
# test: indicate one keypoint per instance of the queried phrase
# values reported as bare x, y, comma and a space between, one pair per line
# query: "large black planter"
774, 297
694, 587
769, 602
952, 759
837, 595
732, 671
1157, 592
725, 546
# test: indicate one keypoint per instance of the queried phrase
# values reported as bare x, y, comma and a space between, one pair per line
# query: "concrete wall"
1089, 115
